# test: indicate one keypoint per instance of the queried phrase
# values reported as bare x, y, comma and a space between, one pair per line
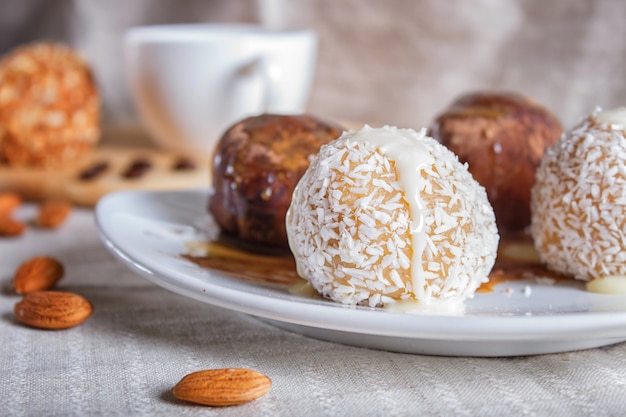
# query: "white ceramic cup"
191, 82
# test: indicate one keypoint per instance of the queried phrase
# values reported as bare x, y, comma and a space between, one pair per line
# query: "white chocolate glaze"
615, 118
522, 252
410, 155
447, 307
614, 284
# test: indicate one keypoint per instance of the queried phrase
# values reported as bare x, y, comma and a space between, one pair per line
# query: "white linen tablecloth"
141, 340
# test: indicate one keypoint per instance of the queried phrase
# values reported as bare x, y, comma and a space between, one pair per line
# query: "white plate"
148, 232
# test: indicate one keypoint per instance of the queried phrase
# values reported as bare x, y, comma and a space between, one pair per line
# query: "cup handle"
263, 71
270, 74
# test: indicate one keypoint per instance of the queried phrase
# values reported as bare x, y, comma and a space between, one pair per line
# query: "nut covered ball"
49, 106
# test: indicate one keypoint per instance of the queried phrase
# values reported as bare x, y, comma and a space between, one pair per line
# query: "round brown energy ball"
49, 106
256, 166
502, 136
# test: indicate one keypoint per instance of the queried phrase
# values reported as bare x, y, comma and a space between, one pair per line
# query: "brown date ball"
502, 136
256, 166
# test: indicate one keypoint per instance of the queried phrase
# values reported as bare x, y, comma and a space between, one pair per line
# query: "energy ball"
256, 166
579, 199
502, 136
385, 215
49, 106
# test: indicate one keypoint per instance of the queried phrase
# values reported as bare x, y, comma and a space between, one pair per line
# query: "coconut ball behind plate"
385, 215
579, 199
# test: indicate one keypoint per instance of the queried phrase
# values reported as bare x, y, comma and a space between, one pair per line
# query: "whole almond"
9, 202
222, 387
10, 227
37, 274
52, 310
53, 213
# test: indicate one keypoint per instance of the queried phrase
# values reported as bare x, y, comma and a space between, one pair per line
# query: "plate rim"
427, 326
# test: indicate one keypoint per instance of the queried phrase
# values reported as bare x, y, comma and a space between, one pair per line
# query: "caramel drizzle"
280, 269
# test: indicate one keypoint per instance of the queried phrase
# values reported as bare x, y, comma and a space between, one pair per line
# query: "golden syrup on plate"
232, 260
516, 261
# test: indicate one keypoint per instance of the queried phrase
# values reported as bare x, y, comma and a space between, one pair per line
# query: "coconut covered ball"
578, 202
385, 215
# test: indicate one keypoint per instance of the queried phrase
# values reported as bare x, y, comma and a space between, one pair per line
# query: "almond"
222, 387
9, 202
52, 310
53, 213
37, 274
10, 227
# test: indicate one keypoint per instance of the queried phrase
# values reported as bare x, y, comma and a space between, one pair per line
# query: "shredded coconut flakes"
578, 203
350, 206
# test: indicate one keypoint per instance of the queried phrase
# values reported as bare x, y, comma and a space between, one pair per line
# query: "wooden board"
66, 182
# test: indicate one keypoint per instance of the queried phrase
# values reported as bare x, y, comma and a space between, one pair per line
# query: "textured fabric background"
141, 340
397, 62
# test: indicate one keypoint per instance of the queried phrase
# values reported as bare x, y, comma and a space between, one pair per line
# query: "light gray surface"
142, 339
